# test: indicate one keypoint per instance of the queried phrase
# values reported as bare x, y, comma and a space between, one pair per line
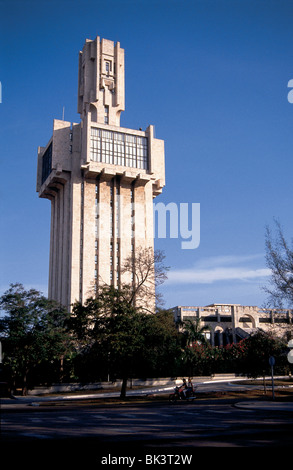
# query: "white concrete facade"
101, 179
229, 323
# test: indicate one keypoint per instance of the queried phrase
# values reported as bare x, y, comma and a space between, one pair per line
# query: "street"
91, 432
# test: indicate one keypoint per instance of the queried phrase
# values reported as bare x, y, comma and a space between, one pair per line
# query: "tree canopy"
194, 332
33, 331
119, 334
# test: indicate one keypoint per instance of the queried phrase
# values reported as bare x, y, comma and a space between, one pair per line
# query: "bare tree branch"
279, 258
149, 272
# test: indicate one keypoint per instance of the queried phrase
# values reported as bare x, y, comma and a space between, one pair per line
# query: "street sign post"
272, 363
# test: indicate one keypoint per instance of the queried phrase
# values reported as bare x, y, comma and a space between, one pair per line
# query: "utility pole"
272, 363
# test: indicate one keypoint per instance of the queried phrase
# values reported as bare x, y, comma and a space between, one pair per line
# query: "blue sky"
211, 75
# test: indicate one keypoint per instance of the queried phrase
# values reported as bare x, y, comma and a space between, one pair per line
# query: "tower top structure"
101, 81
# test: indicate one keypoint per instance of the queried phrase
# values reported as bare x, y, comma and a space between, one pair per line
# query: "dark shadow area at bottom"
91, 451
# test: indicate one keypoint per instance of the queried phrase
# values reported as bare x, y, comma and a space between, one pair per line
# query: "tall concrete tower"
101, 180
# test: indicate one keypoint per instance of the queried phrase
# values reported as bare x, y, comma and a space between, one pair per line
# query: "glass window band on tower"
47, 163
117, 148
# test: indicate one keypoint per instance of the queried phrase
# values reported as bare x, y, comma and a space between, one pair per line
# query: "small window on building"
106, 116
108, 67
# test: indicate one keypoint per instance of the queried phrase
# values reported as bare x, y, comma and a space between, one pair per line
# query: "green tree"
193, 339
33, 332
111, 324
194, 332
259, 347
114, 325
162, 344
124, 337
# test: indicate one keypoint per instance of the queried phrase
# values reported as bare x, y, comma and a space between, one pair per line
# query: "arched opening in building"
218, 336
247, 322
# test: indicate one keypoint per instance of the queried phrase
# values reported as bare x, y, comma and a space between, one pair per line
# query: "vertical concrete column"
76, 240
52, 249
149, 215
55, 242
115, 228
233, 315
66, 241
139, 216
60, 245
88, 268
126, 214
213, 337
104, 232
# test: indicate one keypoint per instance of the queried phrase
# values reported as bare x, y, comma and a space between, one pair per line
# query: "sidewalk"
30, 400
36, 401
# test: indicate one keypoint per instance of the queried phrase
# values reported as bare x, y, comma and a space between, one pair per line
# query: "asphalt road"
90, 433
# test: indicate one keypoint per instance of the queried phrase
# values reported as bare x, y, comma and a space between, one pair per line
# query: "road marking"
121, 430
128, 416
65, 418
37, 436
101, 416
219, 411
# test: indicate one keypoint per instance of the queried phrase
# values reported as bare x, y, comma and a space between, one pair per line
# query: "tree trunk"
264, 385
123, 388
24, 384
61, 372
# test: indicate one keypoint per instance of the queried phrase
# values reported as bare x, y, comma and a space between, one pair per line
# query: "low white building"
229, 323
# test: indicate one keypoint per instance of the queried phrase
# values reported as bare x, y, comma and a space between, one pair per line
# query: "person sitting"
189, 389
183, 388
